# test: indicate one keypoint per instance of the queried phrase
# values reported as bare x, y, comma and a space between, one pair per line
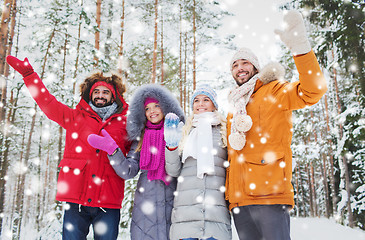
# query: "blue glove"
172, 130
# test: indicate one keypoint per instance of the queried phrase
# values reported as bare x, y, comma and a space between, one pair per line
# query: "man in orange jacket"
259, 130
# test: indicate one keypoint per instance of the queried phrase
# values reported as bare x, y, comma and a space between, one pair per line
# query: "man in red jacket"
87, 182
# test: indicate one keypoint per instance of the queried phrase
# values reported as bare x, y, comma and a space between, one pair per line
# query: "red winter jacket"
86, 176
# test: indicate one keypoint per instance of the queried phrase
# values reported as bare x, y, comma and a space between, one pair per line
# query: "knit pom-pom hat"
206, 90
247, 54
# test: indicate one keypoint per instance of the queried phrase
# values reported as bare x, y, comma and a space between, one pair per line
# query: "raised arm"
53, 109
312, 84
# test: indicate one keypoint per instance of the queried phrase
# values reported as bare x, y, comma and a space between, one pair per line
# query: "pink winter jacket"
86, 176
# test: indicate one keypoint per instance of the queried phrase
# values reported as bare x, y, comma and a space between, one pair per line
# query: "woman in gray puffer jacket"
153, 200
200, 210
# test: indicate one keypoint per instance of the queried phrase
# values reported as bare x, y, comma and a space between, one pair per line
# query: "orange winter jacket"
261, 172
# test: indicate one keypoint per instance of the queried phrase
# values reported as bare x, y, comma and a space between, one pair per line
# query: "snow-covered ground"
320, 229
323, 229
301, 229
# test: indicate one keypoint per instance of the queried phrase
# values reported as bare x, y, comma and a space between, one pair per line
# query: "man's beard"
105, 103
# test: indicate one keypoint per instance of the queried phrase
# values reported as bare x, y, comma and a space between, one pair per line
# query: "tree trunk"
343, 160
122, 19
154, 59
11, 35
39, 216
4, 32
332, 167
162, 60
313, 189
194, 45
180, 58
15, 209
77, 53
311, 204
185, 70
297, 170
109, 32
9, 12
325, 184
20, 195
97, 32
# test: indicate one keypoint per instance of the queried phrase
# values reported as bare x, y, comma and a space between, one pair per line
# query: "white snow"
320, 228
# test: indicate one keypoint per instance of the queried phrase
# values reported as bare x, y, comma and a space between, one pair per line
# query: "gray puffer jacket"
200, 209
151, 214
153, 200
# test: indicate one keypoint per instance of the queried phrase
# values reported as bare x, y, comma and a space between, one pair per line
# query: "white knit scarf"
241, 122
199, 143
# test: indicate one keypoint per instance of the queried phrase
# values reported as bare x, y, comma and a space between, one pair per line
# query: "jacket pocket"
71, 180
264, 177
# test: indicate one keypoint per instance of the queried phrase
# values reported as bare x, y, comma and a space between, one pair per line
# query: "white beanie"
247, 54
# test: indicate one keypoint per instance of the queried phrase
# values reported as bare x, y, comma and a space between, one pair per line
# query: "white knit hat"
247, 54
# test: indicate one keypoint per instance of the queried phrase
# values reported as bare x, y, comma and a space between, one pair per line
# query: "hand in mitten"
22, 67
294, 35
105, 142
172, 130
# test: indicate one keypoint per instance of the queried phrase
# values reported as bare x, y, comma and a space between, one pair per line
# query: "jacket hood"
136, 118
271, 72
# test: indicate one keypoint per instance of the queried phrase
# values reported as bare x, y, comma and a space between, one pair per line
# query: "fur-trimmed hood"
271, 72
136, 118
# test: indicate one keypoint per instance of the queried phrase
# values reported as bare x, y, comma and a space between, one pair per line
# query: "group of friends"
194, 173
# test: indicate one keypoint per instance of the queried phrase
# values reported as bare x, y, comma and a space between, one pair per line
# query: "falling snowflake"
67, 206
236, 210
74, 135
69, 227
97, 180
78, 149
65, 169
148, 208
180, 179
62, 187
153, 150
226, 164
77, 171
20, 168
100, 228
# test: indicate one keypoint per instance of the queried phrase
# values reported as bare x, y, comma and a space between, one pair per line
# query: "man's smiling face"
242, 71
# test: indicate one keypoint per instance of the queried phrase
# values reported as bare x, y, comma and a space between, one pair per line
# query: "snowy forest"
164, 42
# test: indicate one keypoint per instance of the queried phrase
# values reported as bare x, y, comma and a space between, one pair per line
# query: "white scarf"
199, 143
241, 122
